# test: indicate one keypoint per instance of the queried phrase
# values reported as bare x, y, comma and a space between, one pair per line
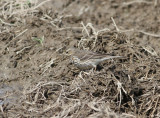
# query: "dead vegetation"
34, 38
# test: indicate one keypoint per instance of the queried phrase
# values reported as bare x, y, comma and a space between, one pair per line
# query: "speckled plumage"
85, 60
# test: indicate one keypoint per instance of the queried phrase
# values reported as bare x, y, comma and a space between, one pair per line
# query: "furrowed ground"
38, 80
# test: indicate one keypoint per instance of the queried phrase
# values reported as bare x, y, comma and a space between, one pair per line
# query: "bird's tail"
112, 57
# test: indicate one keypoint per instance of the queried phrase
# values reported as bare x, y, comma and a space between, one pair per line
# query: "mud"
37, 78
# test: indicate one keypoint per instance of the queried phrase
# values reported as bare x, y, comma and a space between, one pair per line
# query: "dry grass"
126, 88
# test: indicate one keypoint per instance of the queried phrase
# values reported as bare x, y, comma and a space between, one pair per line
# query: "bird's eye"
68, 52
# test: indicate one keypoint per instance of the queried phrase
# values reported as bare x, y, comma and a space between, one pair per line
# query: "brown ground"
38, 80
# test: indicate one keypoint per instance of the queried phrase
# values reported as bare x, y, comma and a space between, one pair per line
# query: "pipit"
86, 60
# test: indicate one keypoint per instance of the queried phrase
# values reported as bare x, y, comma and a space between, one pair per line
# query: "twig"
2, 111
20, 34
70, 28
119, 88
128, 115
7, 23
118, 30
155, 107
137, 1
23, 49
95, 34
41, 4
85, 28
150, 50
141, 31
149, 34
47, 65
114, 24
30, 9
41, 84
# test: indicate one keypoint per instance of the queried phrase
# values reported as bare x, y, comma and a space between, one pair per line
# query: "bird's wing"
94, 55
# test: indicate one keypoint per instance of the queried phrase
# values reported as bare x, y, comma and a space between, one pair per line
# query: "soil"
37, 78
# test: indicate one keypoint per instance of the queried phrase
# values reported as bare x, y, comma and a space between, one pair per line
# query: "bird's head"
70, 51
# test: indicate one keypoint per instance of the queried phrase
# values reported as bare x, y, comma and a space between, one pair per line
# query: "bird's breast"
83, 65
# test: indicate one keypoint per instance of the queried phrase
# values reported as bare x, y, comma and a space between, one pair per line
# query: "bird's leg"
80, 75
93, 69
87, 73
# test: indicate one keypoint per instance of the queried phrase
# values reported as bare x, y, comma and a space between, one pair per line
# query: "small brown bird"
86, 60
